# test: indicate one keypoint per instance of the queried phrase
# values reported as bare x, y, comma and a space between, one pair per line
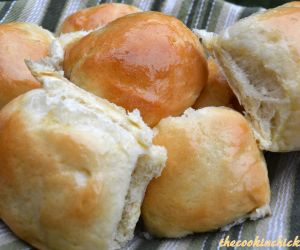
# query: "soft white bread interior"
215, 175
260, 56
69, 38
74, 167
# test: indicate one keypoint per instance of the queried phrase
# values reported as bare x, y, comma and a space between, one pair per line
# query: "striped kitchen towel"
284, 170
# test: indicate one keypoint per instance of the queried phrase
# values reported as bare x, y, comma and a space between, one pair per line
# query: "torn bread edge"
208, 39
58, 45
148, 166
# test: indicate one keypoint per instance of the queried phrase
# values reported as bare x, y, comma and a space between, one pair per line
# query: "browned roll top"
19, 41
96, 16
147, 61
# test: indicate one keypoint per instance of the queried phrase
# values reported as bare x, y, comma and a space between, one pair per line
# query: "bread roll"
74, 167
217, 91
20, 41
149, 61
260, 57
293, 4
215, 174
96, 16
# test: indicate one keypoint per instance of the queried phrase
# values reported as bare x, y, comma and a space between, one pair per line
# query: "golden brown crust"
217, 91
78, 206
215, 174
149, 61
19, 41
96, 16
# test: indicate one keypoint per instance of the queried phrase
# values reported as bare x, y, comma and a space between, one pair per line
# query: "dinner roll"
20, 41
217, 91
96, 16
215, 174
260, 56
148, 60
74, 167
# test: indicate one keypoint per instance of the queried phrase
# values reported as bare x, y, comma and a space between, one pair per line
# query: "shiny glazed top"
147, 61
